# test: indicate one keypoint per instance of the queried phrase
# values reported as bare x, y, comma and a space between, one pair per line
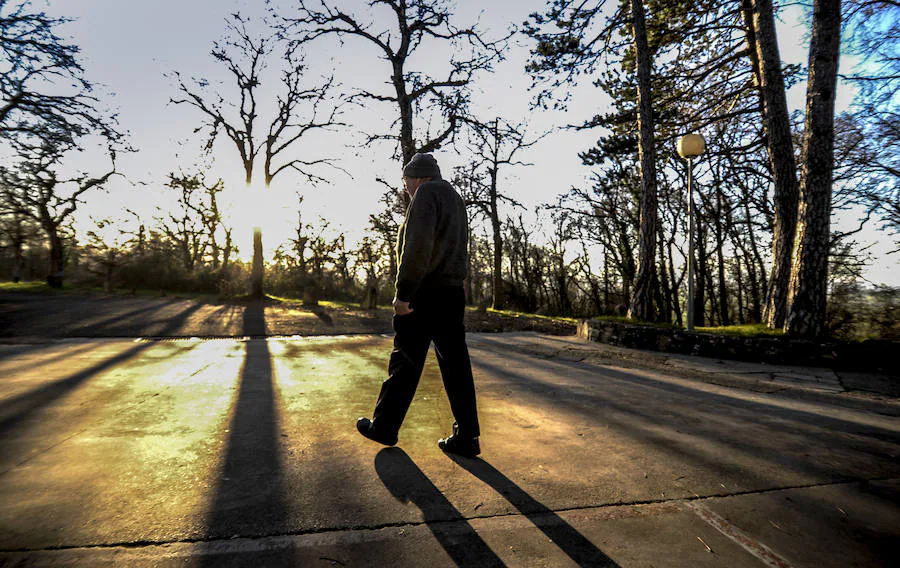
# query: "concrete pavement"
236, 452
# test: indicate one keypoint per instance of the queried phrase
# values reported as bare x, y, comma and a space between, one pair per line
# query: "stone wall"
872, 355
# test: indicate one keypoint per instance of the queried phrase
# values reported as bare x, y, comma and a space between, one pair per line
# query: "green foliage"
856, 313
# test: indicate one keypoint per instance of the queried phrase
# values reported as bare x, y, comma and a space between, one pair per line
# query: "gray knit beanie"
422, 166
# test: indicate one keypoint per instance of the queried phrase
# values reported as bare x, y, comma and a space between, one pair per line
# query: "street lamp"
689, 147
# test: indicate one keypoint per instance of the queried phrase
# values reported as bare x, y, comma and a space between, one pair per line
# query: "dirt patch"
38, 316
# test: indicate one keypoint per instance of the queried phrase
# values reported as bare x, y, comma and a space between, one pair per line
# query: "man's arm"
418, 244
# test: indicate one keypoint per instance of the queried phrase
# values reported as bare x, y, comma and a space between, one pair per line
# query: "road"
243, 452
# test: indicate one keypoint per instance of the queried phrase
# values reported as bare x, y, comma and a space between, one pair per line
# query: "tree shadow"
407, 483
15, 410
64, 353
581, 550
250, 499
668, 412
322, 314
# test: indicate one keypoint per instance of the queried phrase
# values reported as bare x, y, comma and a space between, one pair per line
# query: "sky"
131, 48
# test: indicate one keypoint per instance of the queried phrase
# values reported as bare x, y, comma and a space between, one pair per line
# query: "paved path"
243, 453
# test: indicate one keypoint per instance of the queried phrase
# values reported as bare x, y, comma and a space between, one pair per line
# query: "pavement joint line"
762, 552
685, 501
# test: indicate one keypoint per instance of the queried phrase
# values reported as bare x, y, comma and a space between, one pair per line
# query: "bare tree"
496, 144
33, 188
106, 250
415, 24
575, 45
200, 204
367, 259
42, 83
299, 111
195, 229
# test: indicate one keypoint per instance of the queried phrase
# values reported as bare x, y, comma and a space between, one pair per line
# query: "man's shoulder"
438, 188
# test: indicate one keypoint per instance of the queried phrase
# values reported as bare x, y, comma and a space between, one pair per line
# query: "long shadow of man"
250, 498
407, 483
564, 535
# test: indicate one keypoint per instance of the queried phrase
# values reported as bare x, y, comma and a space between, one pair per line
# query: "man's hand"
401, 308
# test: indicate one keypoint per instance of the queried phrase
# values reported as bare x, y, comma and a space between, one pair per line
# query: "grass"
747, 330
513, 314
36, 287
329, 304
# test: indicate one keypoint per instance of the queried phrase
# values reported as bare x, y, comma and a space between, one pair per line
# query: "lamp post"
689, 147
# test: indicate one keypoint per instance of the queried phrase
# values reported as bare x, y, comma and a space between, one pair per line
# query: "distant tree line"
766, 187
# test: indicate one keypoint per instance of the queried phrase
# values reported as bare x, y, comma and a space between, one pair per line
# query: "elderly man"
429, 306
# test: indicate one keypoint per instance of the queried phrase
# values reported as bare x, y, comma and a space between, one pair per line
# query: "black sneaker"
454, 444
366, 428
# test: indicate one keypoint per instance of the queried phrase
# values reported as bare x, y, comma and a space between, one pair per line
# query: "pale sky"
128, 46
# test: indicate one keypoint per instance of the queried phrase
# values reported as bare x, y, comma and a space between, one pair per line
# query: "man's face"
411, 184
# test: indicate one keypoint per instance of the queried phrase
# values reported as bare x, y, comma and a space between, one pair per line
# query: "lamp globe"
691, 146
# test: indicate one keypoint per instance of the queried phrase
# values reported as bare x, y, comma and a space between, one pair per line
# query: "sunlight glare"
272, 209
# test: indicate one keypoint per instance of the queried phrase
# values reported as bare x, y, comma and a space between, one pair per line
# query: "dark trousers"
437, 316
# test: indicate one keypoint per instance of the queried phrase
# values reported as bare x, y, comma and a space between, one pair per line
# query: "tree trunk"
18, 249
713, 314
257, 269
676, 304
739, 281
407, 143
720, 258
108, 269
668, 295
607, 308
755, 295
57, 260
700, 278
763, 41
642, 299
755, 307
627, 267
757, 257
809, 275
467, 283
499, 302
256, 274
226, 255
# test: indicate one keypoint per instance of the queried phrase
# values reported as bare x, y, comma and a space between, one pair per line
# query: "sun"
272, 209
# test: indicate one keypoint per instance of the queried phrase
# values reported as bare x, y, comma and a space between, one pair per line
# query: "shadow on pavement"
81, 316
747, 426
573, 543
249, 499
322, 314
407, 483
16, 409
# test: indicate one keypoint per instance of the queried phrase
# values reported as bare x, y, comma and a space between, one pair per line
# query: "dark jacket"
432, 242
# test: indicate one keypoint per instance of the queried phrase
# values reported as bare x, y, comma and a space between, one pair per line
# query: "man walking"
428, 306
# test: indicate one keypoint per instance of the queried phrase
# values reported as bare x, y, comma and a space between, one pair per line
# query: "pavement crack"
43, 451
840, 381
